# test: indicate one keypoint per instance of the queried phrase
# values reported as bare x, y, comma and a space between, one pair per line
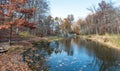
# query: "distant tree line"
104, 19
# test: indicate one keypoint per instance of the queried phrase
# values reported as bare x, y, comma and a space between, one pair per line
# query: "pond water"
73, 54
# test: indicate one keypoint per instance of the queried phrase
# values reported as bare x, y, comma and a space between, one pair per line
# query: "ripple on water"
66, 59
84, 66
60, 65
59, 61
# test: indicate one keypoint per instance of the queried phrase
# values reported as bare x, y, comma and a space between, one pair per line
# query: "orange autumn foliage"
4, 27
8, 17
18, 1
31, 10
0, 12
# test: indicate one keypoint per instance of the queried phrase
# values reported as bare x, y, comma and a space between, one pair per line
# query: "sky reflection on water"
73, 55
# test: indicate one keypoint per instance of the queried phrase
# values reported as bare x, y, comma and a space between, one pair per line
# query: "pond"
73, 54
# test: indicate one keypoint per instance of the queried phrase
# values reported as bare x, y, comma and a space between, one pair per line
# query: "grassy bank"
53, 38
112, 41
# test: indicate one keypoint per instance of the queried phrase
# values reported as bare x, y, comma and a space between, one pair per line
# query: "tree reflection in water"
103, 58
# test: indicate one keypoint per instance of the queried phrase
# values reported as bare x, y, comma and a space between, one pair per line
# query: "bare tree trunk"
10, 38
96, 30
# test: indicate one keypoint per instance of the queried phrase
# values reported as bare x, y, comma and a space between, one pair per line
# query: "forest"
33, 17
25, 24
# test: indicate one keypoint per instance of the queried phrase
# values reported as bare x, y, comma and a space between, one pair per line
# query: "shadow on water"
72, 55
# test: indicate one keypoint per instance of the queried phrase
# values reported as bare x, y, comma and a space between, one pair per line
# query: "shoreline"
100, 40
13, 54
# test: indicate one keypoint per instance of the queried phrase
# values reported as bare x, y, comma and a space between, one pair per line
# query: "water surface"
73, 55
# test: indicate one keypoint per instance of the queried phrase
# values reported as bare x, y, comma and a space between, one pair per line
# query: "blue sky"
61, 8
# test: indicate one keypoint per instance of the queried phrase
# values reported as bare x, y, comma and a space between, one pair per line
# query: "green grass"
115, 39
55, 38
24, 34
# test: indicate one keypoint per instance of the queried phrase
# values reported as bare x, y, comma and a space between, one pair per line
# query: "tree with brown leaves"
14, 14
